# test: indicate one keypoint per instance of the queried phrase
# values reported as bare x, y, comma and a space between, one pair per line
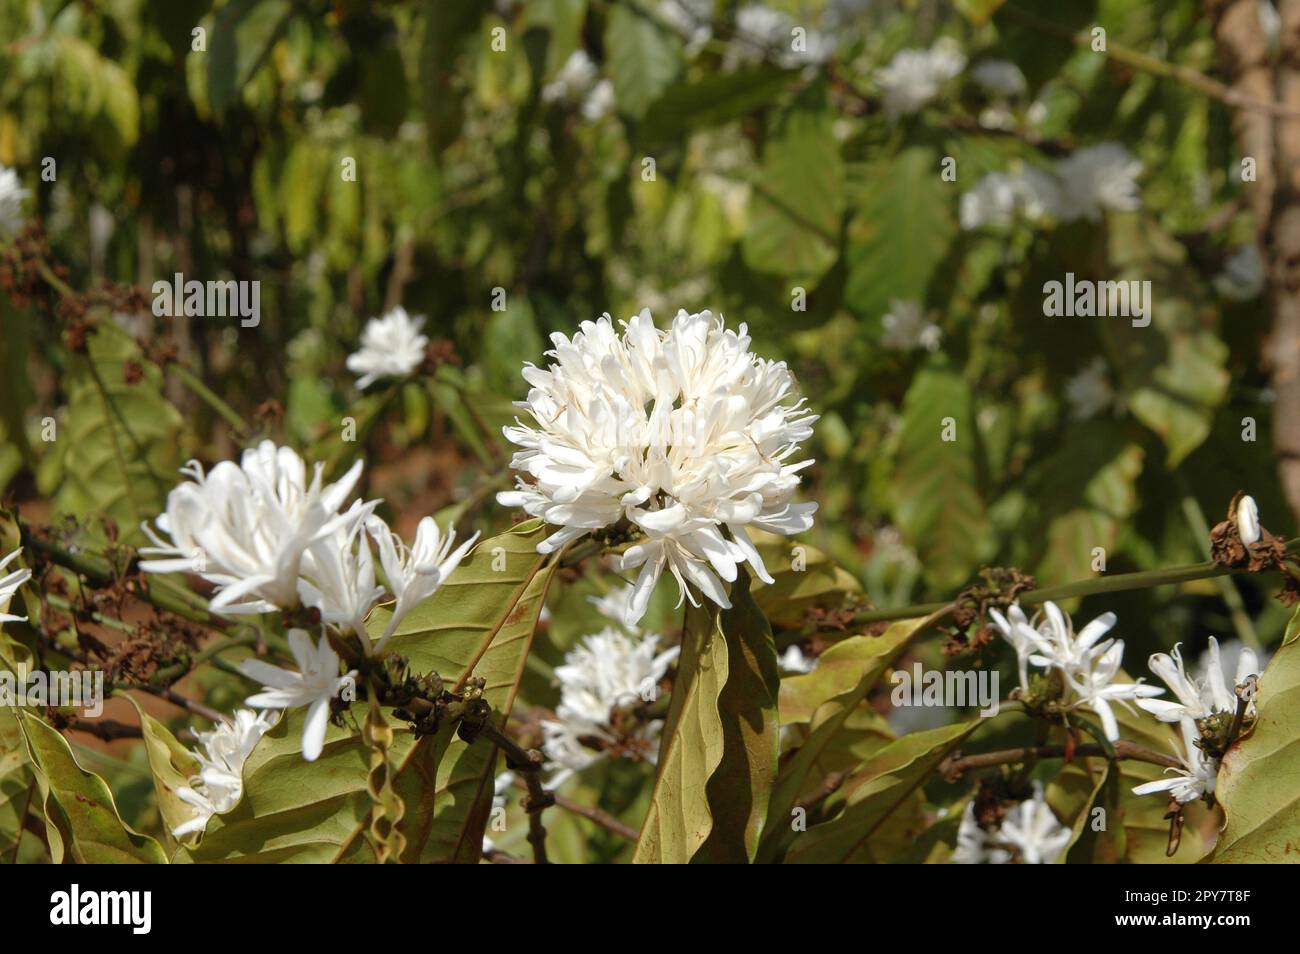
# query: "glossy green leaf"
938, 504
643, 58
172, 766
798, 203
81, 819
900, 230
826, 699
875, 797
121, 439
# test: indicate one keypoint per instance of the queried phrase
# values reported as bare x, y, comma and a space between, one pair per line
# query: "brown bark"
1274, 198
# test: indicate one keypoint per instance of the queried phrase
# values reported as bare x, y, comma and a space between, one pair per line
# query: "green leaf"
877, 798
899, 232
794, 226
1259, 780
643, 57
1173, 371
720, 737
243, 32
711, 101
678, 822
479, 623
938, 505
739, 790
18, 789
826, 699
81, 820
122, 438
172, 766
803, 578
978, 12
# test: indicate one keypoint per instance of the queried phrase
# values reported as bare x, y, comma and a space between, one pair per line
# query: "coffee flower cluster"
1085, 664
270, 540
1029, 833
683, 436
602, 681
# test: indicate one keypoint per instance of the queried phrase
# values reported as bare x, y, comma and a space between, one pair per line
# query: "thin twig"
528, 762
1116, 583
590, 812
954, 765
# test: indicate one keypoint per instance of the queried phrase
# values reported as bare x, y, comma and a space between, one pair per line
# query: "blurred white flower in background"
391, 347
684, 433
1031, 828
1029, 833
9, 586
1242, 278
905, 328
220, 784
600, 102
762, 32
999, 198
1089, 392
795, 660
913, 77
692, 20
316, 683
573, 81
1096, 178
12, 195
999, 78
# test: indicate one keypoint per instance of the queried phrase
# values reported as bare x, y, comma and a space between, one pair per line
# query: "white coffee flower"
220, 784
905, 328
973, 844
574, 80
607, 671
1094, 686
1097, 178
1087, 663
1029, 833
1248, 520
794, 660
12, 195
683, 433
600, 102
1089, 392
246, 527
415, 573
1031, 828
1242, 278
1000, 198
1196, 777
999, 78
1198, 698
9, 586
762, 32
692, 20
391, 347
337, 575
913, 77
316, 683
